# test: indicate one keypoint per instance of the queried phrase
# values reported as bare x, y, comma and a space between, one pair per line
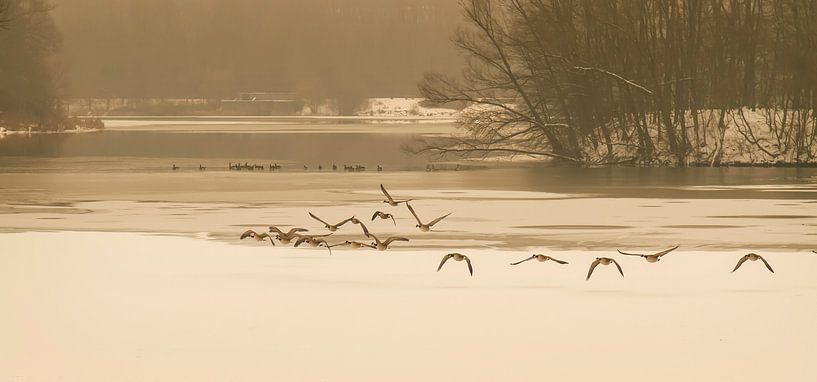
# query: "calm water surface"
120, 179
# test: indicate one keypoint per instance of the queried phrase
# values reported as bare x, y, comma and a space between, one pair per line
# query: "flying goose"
384, 245
540, 258
356, 244
257, 236
314, 241
383, 215
653, 258
362, 226
457, 257
425, 227
753, 257
603, 261
331, 227
287, 237
390, 200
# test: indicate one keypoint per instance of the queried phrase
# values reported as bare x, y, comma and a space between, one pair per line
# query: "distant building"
262, 103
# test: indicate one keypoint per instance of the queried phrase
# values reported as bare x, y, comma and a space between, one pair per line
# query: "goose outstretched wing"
437, 220
414, 213
592, 267
766, 263
557, 260
618, 266
393, 239
522, 261
740, 262
318, 219
445, 258
386, 193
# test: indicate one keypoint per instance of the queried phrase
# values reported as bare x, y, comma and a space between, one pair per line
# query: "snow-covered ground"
403, 107
112, 306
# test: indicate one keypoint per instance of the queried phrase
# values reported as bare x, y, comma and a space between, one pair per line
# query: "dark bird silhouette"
314, 241
420, 225
653, 258
331, 227
540, 258
286, 237
356, 244
384, 245
603, 261
753, 257
457, 257
362, 226
257, 236
390, 200
383, 215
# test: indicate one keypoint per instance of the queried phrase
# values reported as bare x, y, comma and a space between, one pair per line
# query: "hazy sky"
214, 48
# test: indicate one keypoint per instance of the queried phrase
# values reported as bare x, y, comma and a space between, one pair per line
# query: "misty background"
216, 48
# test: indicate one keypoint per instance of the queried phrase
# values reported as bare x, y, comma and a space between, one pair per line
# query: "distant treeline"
651, 82
345, 49
29, 72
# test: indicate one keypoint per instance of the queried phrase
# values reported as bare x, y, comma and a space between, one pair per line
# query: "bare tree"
656, 82
5, 13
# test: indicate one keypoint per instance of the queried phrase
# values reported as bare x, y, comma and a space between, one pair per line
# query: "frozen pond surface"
121, 181
115, 268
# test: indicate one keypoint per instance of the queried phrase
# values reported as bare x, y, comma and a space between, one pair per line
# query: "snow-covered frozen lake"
116, 268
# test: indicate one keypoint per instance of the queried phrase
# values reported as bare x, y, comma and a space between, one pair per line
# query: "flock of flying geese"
300, 237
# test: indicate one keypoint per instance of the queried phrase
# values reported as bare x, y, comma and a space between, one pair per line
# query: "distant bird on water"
202, 168
257, 236
603, 261
457, 257
425, 227
331, 227
175, 167
540, 258
390, 200
753, 257
383, 215
653, 258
